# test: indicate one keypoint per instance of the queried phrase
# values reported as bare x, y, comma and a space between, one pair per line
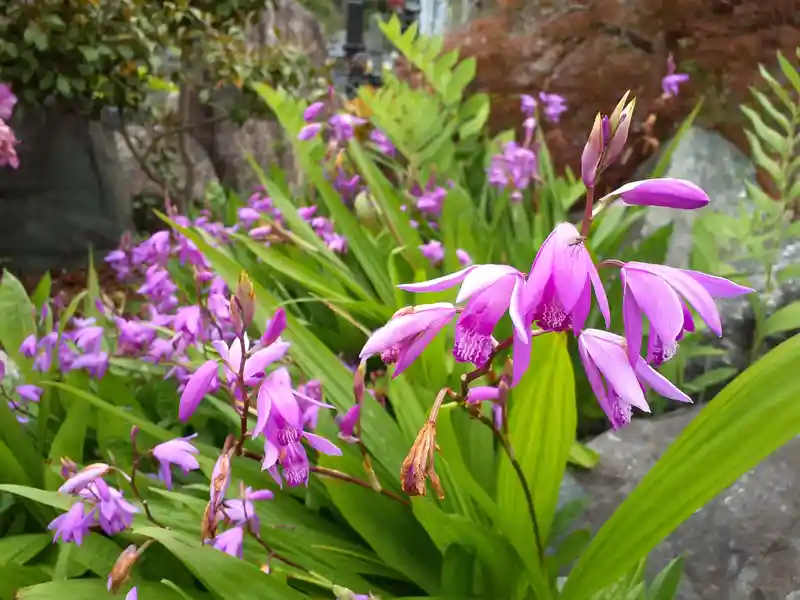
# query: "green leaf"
665, 586
710, 378
45, 497
14, 577
751, 418
225, 576
94, 589
582, 456
20, 549
544, 402
92, 289
783, 319
42, 292
769, 108
69, 440
790, 71
778, 142
18, 314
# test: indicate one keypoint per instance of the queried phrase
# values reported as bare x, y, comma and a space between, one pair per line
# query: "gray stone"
67, 195
707, 159
743, 545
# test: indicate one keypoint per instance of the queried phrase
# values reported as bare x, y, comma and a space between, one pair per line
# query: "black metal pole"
354, 46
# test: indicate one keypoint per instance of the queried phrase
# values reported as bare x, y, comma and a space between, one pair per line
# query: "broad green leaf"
18, 443
390, 529
494, 552
95, 589
665, 586
45, 497
69, 440
20, 549
782, 320
14, 577
582, 456
225, 576
42, 292
543, 402
751, 418
18, 314
709, 378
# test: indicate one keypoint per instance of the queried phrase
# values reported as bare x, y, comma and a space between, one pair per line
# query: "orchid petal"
404, 326
438, 284
410, 352
612, 362
718, 287
658, 300
482, 277
660, 384
632, 321
320, 444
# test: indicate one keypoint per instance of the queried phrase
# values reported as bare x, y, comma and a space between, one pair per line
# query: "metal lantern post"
354, 49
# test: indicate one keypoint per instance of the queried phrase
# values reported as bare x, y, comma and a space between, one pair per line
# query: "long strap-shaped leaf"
751, 418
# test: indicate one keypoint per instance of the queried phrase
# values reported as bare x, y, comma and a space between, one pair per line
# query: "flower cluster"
557, 293
8, 141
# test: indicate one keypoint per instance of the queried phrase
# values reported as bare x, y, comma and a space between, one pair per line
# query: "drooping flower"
312, 112
528, 105
559, 288
112, 512
309, 131
464, 259
73, 525
662, 294
343, 126
255, 362
241, 511
7, 102
230, 541
178, 452
514, 168
347, 424
382, 143
664, 191
28, 347
672, 81
488, 291
196, 388
84, 477
407, 333
618, 385
554, 106
433, 251
8, 147
280, 420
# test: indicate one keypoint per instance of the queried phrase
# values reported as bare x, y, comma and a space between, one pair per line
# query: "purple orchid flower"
665, 191
604, 357
74, 525
554, 106
407, 333
230, 541
433, 251
488, 291
672, 81
662, 294
178, 452
200, 383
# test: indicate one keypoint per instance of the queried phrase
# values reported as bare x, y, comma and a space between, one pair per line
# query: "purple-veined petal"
660, 384
569, 265
311, 400
516, 308
275, 327
658, 300
263, 408
402, 327
279, 387
270, 456
599, 292
718, 287
440, 283
197, 387
593, 374
84, 477
580, 311
480, 393
255, 365
481, 277
694, 293
665, 191
612, 361
540, 273
410, 352
631, 320
320, 444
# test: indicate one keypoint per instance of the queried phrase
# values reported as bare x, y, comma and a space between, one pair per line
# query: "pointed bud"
665, 191
358, 382
243, 305
593, 153
122, 568
83, 478
134, 433
275, 327
619, 134
616, 115
68, 468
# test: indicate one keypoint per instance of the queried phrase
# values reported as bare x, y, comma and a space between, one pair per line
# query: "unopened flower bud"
68, 468
208, 527
593, 153
134, 433
620, 126
243, 305
122, 568
358, 382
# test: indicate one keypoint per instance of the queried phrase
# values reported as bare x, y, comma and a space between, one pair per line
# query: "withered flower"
122, 568
419, 464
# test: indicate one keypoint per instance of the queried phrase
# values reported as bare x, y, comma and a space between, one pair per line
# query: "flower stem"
135, 488
503, 440
587, 213
334, 474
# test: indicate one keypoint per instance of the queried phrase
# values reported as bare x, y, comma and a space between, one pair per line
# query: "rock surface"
68, 194
743, 545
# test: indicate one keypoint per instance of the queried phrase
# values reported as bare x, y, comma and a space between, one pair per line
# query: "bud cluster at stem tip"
242, 303
606, 141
